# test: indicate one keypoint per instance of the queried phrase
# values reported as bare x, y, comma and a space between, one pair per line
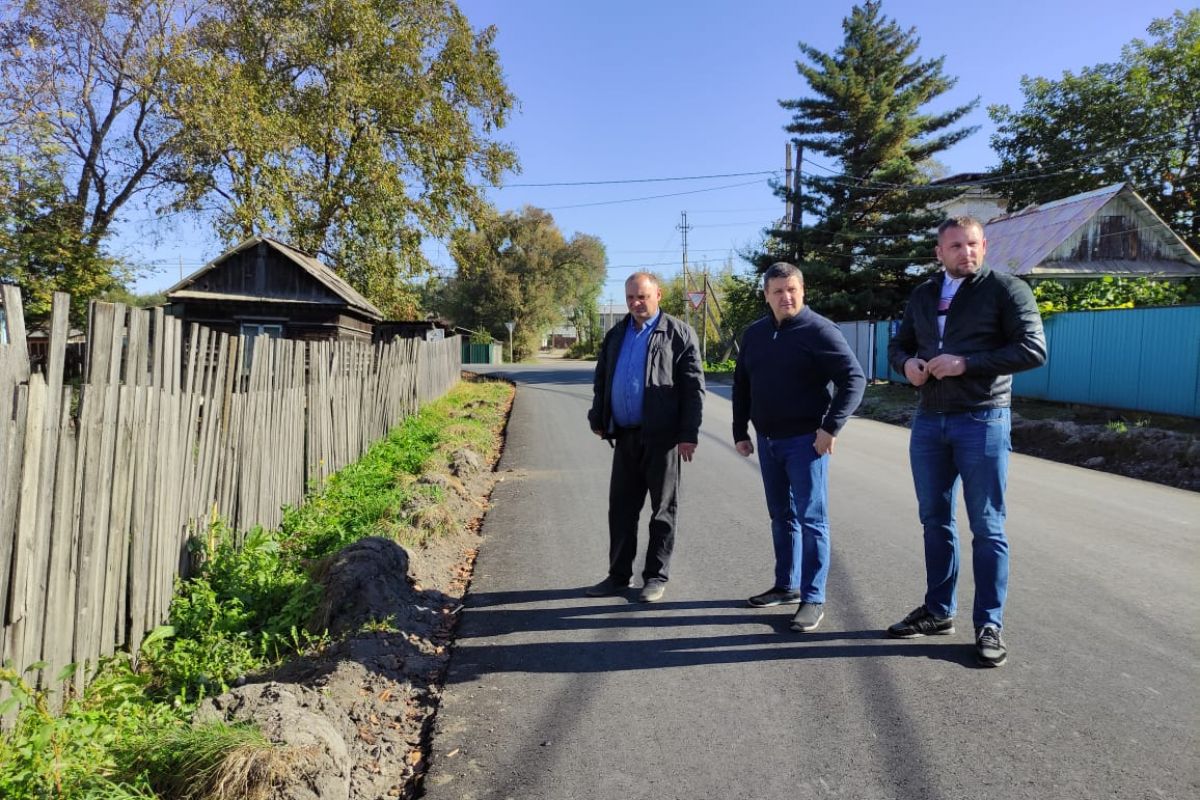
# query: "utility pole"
798, 212
684, 227
704, 316
787, 184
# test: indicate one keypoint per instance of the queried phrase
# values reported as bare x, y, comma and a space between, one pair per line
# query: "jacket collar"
790, 322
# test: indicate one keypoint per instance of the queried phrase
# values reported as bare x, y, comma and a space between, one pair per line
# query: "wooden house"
263, 286
1109, 231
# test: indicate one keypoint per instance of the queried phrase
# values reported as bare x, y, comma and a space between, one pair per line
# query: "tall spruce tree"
868, 223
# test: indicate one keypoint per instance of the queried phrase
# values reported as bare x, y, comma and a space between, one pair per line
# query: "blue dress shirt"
629, 378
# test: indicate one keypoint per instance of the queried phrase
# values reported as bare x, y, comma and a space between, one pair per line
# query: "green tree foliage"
867, 111
1135, 120
518, 267
41, 249
82, 134
1109, 292
351, 129
743, 303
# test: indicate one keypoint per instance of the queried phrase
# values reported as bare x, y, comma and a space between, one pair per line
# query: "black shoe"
989, 647
607, 587
920, 622
808, 617
774, 597
652, 591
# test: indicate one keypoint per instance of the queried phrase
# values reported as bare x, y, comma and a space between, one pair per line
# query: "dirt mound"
1136, 451
360, 711
1151, 454
366, 583
303, 721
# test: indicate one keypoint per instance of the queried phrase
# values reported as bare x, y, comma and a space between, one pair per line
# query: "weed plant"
245, 607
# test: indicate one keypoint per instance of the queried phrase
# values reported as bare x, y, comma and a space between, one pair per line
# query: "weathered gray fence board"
169, 436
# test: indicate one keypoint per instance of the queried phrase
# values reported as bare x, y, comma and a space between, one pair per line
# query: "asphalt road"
555, 695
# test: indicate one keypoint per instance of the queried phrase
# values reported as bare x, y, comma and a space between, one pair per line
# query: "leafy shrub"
1107, 293
583, 350
76, 753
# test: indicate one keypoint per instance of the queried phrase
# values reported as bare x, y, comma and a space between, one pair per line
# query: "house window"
1118, 238
3, 326
272, 329
251, 331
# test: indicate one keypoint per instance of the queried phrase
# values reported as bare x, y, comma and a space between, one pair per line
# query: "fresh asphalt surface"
555, 695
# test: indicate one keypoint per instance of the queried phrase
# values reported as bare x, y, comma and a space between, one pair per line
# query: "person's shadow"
622, 635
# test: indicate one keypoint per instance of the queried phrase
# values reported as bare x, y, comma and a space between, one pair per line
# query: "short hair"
964, 221
650, 276
782, 269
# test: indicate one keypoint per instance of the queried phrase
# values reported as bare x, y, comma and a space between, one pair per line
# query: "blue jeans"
795, 481
971, 447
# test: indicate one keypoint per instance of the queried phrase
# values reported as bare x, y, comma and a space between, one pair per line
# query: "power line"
1044, 171
636, 180
652, 197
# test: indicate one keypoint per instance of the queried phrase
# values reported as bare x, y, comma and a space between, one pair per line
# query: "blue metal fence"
1140, 359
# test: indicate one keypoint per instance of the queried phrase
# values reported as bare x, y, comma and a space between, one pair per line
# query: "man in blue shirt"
647, 399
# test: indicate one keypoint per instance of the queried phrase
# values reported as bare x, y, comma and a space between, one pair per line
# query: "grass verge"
244, 609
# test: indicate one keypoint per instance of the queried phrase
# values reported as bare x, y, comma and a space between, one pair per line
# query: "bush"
583, 350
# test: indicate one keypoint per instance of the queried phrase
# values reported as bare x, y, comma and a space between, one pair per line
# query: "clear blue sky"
625, 90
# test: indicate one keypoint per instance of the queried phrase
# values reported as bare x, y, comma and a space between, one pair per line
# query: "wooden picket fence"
100, 490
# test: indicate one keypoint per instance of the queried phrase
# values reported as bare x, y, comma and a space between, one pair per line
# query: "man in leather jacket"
965, 332
647, 398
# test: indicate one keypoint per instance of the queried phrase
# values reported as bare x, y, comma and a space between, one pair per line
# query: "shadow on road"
637, 643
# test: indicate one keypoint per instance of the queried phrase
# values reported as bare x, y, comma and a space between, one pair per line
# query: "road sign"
696, 299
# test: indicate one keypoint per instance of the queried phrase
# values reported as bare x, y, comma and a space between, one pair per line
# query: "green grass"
244, 609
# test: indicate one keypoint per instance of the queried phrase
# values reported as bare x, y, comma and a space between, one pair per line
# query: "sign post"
510, 326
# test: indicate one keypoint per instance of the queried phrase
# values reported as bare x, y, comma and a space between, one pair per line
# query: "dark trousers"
641, 468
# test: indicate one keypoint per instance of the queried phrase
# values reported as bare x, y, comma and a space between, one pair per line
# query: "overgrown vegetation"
1109, 292
245, 608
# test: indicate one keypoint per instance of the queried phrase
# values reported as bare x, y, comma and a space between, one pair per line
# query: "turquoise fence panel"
1116, 350
1069, 345
1168, 376
883, 334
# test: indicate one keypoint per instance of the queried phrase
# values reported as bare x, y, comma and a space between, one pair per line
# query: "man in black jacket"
787, 364
964, 333
647, 397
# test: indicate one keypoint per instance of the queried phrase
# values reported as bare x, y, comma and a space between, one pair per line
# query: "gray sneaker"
774, 597
808, 617
989, 647
652, 591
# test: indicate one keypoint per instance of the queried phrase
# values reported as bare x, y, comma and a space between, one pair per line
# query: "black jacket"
784, 375
993, 322
674, 395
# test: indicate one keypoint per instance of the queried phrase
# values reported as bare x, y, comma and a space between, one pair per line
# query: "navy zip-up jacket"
794, 377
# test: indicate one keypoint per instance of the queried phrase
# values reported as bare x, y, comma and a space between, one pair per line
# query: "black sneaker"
607, 587
920, 622
652, 591
808, 617
774, 597
989, 647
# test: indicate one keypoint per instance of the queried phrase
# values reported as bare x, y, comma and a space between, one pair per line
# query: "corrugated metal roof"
321, 272
1020, 242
